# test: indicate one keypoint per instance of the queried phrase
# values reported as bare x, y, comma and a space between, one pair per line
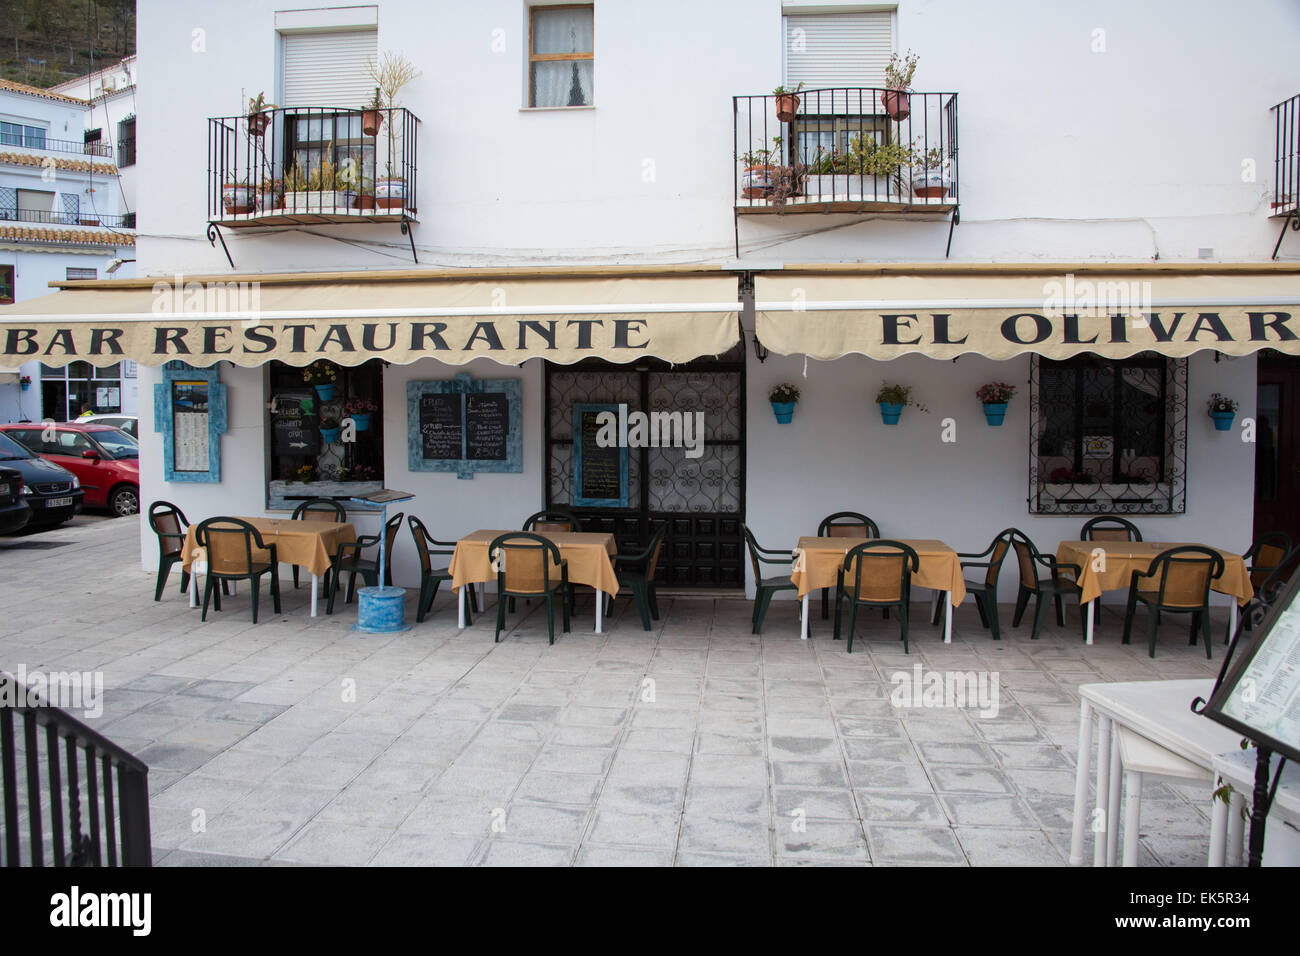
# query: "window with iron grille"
126, 142
1108, 435
74, 273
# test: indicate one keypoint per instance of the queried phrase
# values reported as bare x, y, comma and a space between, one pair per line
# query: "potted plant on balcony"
787, 102
930, 178
237, 197
321, 375
329, 428
372, 117
1222, 409
391, 73
259, 114
898, 84
319, 190
783, 398
756, 182
272, 191
994, 397
892, 399
360, 410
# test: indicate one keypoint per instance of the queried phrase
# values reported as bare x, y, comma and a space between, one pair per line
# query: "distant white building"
111, 119
61, 218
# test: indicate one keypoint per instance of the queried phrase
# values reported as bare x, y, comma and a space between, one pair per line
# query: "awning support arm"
406, 231
956, 218
213, 235
1292, 220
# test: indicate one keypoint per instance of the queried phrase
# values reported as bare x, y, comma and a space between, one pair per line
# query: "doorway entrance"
1277, 446
701, 498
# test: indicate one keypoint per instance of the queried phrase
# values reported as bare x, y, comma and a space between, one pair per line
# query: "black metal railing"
312, 164
47, 218
1286, 161
77, 147
67, 747
845, 145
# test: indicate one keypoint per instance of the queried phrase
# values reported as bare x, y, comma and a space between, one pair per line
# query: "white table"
1159, 711
1237, 767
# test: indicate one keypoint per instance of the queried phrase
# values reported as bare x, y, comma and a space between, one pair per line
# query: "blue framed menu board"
189, 409
599, 469
464, 426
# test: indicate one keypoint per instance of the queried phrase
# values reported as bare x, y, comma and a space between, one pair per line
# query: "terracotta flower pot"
237, 198
897, 103
364, 201
787, 104
371, 120
258, 122
757, 181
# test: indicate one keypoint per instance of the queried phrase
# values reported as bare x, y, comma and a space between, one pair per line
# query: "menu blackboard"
487, 426
295, 428
600, 472
440, 426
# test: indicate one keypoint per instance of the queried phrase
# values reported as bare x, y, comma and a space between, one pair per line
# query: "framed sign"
1260, 694
599, 465
295, 423
189, 409
465, 426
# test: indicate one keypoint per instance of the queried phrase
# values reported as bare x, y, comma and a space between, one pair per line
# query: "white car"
128, 423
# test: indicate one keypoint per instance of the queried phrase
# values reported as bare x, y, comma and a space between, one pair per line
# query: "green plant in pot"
892, 399
898, 84
930, 179
783, 398
994, 397
321, 376
372, 117
329, 428
787, 102
259, 114
1222, 409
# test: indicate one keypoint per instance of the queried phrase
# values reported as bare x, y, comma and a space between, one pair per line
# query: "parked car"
14, 511
128, 423
105, 459
52, 493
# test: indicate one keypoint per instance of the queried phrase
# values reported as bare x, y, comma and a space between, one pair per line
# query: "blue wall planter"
889, 413
1223, 420
362, 421
330, 435
784, 412
995, 412
325, 392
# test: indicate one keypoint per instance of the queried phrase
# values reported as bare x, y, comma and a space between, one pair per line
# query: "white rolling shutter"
329, 69
837, 50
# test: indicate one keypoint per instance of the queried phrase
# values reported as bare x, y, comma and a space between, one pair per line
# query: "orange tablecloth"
309, 544
1125, 557
940, 568
588, 555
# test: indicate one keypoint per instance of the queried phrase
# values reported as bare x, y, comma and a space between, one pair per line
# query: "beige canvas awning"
947, 310
349, 318
9, 376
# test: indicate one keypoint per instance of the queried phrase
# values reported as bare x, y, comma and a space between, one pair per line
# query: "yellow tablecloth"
1125, 557
588, 554
309, 544
940, 568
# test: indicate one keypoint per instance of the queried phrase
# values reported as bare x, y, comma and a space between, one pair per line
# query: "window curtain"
562, 82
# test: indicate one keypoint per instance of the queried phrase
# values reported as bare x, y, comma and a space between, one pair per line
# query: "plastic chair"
985, 590
553, 519
881, 577
844, 524
234, 552
1109, 528
317, 509
1178, 581
1269, 552
764, 588
1266, 594
348, 560
1052, 588
637, 571
430, 577
168, 522
527, 564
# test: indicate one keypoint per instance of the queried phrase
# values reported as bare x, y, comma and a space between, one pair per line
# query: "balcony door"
1277, 447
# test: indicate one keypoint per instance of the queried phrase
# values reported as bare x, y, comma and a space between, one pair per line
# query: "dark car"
51, 491
14, 512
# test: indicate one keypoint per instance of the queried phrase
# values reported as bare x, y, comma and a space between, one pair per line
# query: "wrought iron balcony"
82, 218
312, 165
845, 150
31, 138
1286, 166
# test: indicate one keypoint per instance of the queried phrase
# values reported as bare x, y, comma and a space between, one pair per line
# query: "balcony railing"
1286, 161
845, 149
312, 165
68, 749
77, 147
47, 218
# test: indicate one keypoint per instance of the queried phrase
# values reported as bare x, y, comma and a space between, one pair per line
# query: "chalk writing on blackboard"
441, 426
295, 430
602, 468
487, 426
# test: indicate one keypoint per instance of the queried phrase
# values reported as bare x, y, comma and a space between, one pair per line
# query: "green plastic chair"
881, 577
985, 587
1109, 528
347, 560
1178, 582
431, 577
637, 571
844, 524
1052, 588
526, 565
764, 588
317, 509
168, 522
553, 519
234, 549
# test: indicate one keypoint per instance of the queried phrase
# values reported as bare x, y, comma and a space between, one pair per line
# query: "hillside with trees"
43, 42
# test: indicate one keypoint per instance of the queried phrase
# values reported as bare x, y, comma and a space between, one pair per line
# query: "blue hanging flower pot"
325, 392
995, 412
1223, 420
889, 412
784, 412
361, 420
330, 435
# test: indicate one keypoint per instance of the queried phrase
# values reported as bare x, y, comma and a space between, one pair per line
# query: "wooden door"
1277, 450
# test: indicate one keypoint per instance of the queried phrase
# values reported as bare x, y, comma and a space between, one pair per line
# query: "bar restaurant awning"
944, 310
9, 376
509, 315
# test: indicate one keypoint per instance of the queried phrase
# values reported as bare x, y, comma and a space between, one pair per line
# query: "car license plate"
58, 502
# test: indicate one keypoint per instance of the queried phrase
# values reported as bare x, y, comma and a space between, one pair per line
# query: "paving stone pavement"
299, 741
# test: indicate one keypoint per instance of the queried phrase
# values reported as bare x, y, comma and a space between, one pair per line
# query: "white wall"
837, 455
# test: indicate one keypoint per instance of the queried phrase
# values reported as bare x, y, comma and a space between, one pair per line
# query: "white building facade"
618, 150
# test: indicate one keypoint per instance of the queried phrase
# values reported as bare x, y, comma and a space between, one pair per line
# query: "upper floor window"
126, 142
328, 70
560, 57
6, 285
16, 134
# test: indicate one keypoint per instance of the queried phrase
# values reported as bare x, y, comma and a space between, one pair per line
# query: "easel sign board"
1260, 695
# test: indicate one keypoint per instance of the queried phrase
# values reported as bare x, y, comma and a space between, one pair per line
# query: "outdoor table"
819, 559
1159, 711
1122, 558
589, 556
310, 544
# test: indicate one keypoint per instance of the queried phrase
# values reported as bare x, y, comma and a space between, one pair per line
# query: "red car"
104, 459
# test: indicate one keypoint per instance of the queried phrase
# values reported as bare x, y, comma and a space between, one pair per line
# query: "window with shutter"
328, 69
